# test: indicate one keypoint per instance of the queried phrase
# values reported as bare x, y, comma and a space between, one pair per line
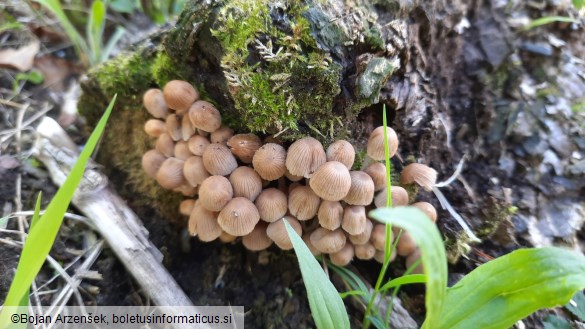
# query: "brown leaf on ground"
21, 58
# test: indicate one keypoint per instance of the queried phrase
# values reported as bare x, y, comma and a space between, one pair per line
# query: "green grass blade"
405, 279
40, 240
548, 20
427, 237
112, 43
354, 281
37, 214
326, 305
377, 322
95, 30
501, 292
358, 293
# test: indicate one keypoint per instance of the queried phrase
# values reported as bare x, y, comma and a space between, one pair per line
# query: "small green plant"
44, 229
576, 306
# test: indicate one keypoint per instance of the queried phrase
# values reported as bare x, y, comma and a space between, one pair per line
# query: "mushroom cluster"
241, 186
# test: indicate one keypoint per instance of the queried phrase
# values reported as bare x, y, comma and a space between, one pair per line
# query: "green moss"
165, 69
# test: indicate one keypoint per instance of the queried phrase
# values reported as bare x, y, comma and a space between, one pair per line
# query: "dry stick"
117, 223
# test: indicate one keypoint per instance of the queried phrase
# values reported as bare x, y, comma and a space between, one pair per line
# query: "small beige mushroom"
246, 183
182, 150
305, 156
151, 162
375, 148
269, 161
154, 127
205, 116
354, 219
221, 135
328, 241
154, 103
423, 175
257, 239
331, 181
411, 259
187, 190
225, 237
361, 192
187, 129
215, 192
203, 223
343, 256
377, 172
179, 95
173, 127
218, 160
303, 203
364, 251
272, 204
341, 151
186, 206
399, 197
405, 245
378, 236
292, 177
379, 256
238, 217
330, 214
277, 232
243, 146
428, 209
165, 145
170, 174
363, 237
194, 170
307, 240
197, 144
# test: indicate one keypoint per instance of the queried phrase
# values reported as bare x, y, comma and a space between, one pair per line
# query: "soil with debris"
479, 87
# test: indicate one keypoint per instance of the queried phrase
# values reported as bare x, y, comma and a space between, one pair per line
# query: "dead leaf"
7, 162
21, 58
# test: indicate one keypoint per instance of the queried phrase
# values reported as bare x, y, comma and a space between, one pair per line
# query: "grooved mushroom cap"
186, 206
341, 151
363, 237
272, 204
218, 160
244, 146
154, 103
377, 172
173, 127
154, 127
238, 217
277, 232
375, 148
246, 183
292, 177
221, 135
182, 150
197, 144
225, 237
205, 116
187, 190
187, 129
303, 203
307, 240
354, 219
331, 181
257, 239
305, 156
399, 197
361, 192
405, 245
379, 256
326, 241
343, 256
179, 95
411, 259
203, 223
428, 209
269, 161
378, 237
423, 175
165, 145
151, 162
170, 174
194, 171
215, 192
330, 214
364, 251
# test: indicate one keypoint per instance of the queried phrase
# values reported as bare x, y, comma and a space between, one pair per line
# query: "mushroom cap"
218, 160
343, 256
272, 204
331, 181
361, 192
411, 259
269, 161
428, 209
364, 251
307, 240
197, 144
292, 177
154, 127
187, 129
194, 170
154, 103
151, 162
179, 95
277, 232
363, 237
330, 214
423, 175
405, 245
205, 116
375, 148
186, 206
399, 197
354, 219
238, 217
246, 183
215, 192
244, 146
257, 239
182, 150
170, 174
326, 241
173, 127
203, 223
187, 190
303, 203
379, 256
305, 156
221, 135
341, 151
378, 236
377, 172
225, 237
165, 145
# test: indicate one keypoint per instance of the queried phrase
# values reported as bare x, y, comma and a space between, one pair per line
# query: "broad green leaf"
405, 279
427, 237
577, 305
507, 289
578, 4
41, 238
548, 20
326, 305
556, 322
